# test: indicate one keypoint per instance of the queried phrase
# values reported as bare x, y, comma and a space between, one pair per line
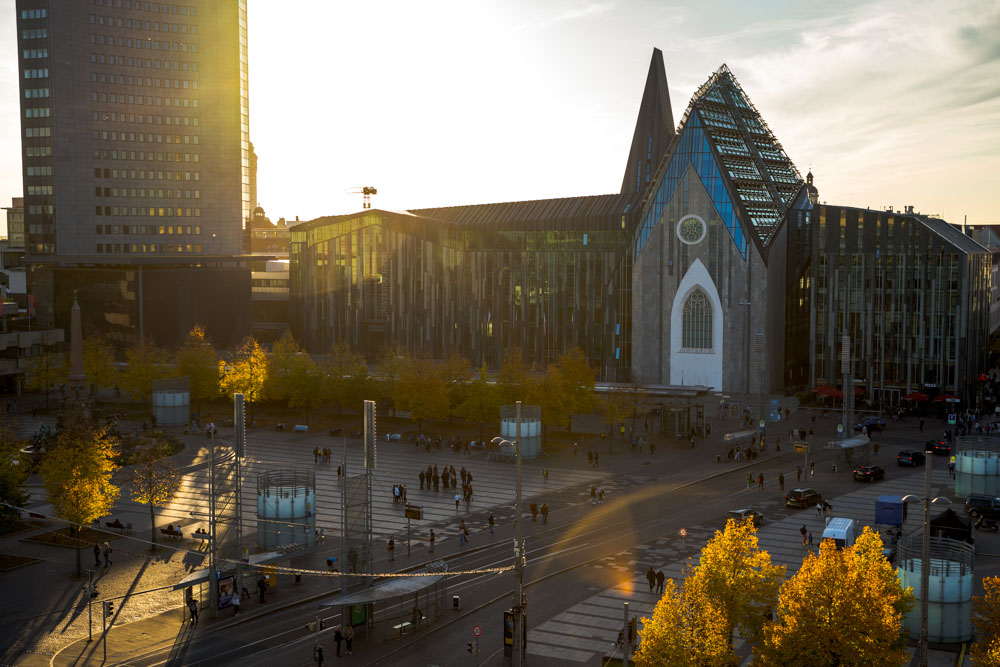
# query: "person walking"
819, 510
760, 481
349, 638
651, 578
596, 460
463, 532
431, 541
804, 532
338, 638
458, 499
590, 458
315, 454
437, 480
421, 479
107, 555
236, 603
660, 578
534, 512
193, 611
600, 495
545, 513
318, 654
810, 539
593, 494
262, 588
781, 480
545, 475
749, 481
652, 448
491, 521
97, 554
576, 446
391, 548
798, 473
812, 468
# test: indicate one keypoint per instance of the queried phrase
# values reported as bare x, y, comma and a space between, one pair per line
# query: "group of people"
638, 443
533, 507
106, 551
326, 453
596, 494
655, 579
448, 479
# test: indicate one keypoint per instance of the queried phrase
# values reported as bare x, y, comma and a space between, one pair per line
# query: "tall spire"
77, 376
654, 128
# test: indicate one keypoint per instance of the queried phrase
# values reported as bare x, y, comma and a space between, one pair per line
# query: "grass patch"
9, 562
68, 537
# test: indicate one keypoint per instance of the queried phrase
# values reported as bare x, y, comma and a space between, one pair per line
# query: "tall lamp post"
516, 654
925, 551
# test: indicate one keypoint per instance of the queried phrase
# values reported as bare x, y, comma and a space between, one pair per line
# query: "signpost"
412, 512
684, 534
477, 632
803, 448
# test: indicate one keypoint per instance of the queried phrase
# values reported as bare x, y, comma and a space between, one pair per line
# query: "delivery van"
842, 531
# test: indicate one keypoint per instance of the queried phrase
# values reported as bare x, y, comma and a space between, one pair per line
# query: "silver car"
743, 514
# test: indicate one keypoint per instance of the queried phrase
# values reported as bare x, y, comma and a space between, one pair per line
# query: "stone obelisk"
77, 380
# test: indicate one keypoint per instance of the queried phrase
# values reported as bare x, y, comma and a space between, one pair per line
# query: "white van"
842, 531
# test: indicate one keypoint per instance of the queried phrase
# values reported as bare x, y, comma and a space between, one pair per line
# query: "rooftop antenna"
367, 191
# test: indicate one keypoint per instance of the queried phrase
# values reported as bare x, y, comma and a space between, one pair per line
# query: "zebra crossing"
589, 628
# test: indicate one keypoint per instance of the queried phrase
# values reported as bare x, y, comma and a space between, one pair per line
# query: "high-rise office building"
135, 127
136, 164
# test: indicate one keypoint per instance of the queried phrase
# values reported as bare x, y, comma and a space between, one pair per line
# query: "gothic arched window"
697, 323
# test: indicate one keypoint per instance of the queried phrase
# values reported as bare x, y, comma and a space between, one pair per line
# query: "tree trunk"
152, 526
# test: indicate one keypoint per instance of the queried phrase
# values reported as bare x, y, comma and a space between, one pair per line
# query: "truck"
842, 531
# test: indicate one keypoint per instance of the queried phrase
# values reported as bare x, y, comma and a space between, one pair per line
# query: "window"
697, 322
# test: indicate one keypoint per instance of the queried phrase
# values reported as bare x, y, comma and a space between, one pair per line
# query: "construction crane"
367, 191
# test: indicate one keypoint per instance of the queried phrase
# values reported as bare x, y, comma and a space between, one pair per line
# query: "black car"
938, 447
982, 505
873, 424
909, 457
802, 497
869, 473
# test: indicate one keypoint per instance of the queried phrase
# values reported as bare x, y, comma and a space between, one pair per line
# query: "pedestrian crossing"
589, 628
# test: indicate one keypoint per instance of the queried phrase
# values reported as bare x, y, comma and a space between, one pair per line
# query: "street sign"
840, 429
413, 512
762, 423
801, 448
477, 631
951, 419
684, 532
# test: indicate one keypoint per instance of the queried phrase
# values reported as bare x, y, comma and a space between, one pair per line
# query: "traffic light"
322, 623
469, 647
109, 607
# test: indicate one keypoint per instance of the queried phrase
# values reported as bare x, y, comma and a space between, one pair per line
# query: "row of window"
149, 82
138, 62
37, 73
40, 209
144, 119
155, 26
38, 131
155, 230
152, 248
33, 93
142, 174
34, 13
157, 7
37, 112
143, 137
40, 171
152, 211
38, 151
140, 193
128, 42
35, 33
149, 100
146, 156
36, 53
39, 190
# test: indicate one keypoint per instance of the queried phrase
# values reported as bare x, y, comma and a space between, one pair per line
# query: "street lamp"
518, 543
925, 551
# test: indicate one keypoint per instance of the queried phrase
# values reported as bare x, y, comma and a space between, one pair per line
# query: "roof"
538, 213
654, 128
950, 234
395, 587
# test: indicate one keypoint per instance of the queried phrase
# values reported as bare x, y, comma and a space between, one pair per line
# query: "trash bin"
298, 577
718, 458
456, 602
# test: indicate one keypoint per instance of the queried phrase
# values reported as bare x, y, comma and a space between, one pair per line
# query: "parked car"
982, 505
938, 447
802, 497
873, 424
910, 457
743, 514
869, 473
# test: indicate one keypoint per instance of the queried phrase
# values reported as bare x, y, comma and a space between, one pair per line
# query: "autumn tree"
683, 632
986, 618
245, 373
280, 364
13, 471
99, 363
45, 371
513, 378
422, 390
615, 408
153, 482
77, 472
843, 608
391, 365
481, 403
737, 578
145, 362
196, 360
455, 372
566, 389
345, 376
304, 384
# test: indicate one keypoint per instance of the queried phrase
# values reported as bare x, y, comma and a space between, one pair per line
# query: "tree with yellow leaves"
245, 373
196, 360
153, 482
146, 362
844, 607
736, 577
77, 472
683, 632
45, 371
986, 618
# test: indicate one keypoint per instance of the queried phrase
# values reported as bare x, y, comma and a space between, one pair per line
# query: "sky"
440, 103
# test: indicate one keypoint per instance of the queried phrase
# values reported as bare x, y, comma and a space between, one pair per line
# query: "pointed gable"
654, 128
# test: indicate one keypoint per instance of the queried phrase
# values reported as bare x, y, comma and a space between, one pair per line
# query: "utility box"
890, 510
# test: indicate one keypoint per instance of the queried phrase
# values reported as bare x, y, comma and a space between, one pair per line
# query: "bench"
172, 533
38, 517
203, 537
402, 627
301, 428
122, 527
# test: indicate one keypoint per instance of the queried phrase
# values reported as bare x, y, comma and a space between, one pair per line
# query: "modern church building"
710, 268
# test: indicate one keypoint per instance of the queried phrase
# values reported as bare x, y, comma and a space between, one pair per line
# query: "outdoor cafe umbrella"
951, 398
916, 396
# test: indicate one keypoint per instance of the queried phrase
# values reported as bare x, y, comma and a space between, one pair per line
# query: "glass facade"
379, 279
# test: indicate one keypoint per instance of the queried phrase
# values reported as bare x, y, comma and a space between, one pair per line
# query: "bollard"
456, 602
298, 577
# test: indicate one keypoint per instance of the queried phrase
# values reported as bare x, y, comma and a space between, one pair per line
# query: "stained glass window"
697, 321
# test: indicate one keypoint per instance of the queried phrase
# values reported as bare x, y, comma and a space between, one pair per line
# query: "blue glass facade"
693, 148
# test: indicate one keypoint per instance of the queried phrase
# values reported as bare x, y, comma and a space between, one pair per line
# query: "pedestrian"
463, 531
545, 475
593, 494
458, 499
340, 472
819, 510
596, 459
749, 481
545, 513
97, 555
421, 479
652, 449
391, 548
315, 454
804, 532
590, 458
262, 587
660, 578
651, 578
491, 521
810, 539
951, 467
576, 446
431, 541
781, 480
349, 638
812, 469
600, 495
236, 603
534, 512
798, 473
318, 654
338, 638
921, 424
193, 609
760, 481
827, 508
107, 554
875, 448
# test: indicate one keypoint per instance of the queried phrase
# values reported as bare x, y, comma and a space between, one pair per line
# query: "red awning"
951, 398
916, 396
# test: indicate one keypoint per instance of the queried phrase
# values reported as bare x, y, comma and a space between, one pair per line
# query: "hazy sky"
442, 103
